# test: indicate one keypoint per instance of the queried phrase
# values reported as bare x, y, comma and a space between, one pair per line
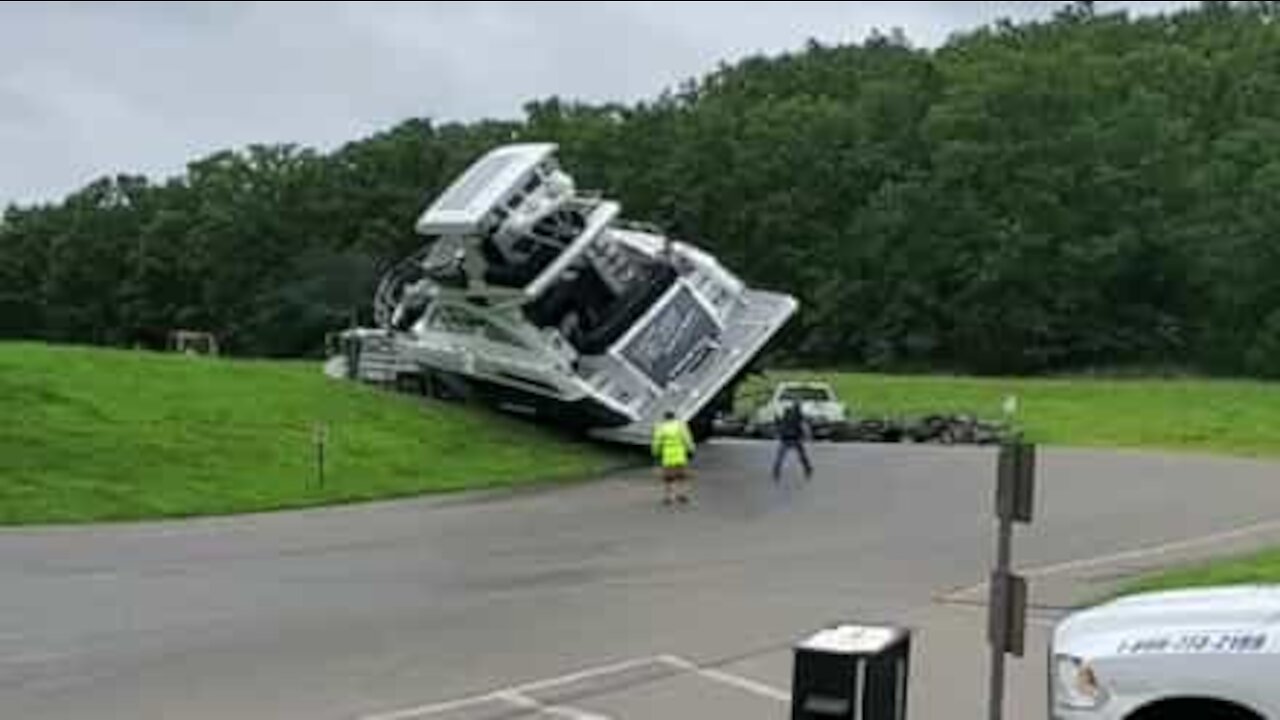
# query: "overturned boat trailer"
536, 298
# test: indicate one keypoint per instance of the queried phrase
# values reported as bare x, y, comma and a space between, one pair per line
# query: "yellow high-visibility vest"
672, 443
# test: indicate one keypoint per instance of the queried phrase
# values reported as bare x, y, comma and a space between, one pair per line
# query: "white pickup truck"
821, 408
1189, 654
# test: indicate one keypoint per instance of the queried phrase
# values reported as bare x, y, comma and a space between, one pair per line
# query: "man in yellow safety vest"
672, 446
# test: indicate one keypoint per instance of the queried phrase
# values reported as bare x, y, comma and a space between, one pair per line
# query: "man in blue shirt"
791, 432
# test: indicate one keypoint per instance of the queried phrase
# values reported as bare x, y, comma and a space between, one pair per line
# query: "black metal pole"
998, 640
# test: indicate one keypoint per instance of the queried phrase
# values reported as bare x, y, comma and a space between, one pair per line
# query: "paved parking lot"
590, 601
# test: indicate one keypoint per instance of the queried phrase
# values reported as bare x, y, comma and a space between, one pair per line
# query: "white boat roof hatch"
464, 205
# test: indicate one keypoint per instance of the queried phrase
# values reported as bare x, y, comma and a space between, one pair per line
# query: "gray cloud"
93, 88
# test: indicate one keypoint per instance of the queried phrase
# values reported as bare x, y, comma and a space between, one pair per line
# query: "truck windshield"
806, 394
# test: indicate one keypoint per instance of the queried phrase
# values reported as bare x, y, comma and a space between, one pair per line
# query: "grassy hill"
92, 434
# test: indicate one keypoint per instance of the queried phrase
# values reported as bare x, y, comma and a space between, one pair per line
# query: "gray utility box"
852, 672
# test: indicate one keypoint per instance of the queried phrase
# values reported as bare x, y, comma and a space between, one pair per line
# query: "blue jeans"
785, 445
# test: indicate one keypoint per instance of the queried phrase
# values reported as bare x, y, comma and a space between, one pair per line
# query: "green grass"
1216, 416
1260, 568
92, 434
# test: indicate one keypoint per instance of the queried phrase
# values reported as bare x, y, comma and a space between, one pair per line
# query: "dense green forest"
1090, 191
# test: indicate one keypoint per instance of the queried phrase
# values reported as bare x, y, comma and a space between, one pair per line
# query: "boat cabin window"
460, 321
499, 335
452, 319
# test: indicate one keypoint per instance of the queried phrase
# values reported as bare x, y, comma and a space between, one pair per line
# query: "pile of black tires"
940, 429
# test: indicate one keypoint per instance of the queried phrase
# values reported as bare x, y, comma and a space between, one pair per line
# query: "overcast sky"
88, 89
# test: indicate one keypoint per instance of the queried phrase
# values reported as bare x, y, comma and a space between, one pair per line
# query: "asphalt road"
588, 601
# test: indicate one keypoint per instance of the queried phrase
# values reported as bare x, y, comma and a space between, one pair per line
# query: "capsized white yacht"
537, 298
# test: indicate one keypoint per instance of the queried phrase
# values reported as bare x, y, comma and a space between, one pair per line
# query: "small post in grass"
320, 435
1010, 408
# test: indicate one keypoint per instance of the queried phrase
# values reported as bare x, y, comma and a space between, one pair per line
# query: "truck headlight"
1075, 684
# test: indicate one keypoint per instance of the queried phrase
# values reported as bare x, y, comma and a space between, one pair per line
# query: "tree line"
1087, 191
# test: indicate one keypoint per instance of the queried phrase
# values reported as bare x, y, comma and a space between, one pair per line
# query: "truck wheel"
1199, 709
